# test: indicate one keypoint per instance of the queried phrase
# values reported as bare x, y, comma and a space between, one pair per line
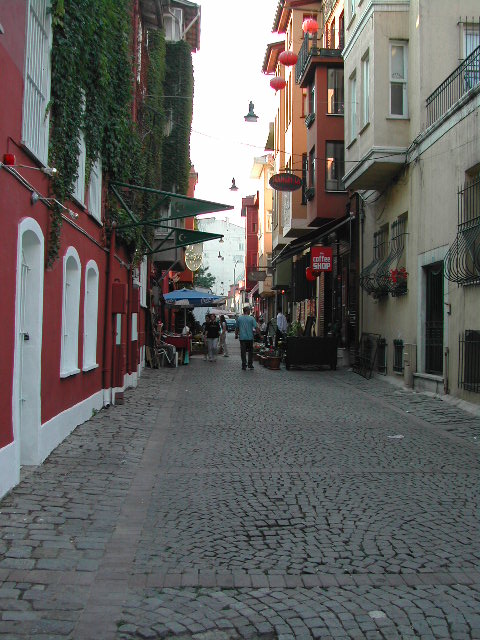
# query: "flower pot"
274, 362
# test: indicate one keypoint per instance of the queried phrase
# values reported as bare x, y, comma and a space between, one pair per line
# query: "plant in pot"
398, 281
274, 359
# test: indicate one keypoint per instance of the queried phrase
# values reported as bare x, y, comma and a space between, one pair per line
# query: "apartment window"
70, 313
352, 8
311, 98
398, 79
90, 317
173, 25
254, 227
79, 187
335, 166
304, 102
311, 168
95, 191
353, 107
35, 122
470, 38
304, 177
268, 222
143, 281
335, 95
365, 90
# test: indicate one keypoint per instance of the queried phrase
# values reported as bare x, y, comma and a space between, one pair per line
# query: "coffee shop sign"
285, 182
321, 259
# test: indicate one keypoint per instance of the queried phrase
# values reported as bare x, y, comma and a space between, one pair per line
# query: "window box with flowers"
398, 282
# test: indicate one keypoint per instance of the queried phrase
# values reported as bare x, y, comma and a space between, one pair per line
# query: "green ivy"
92, 80
176, 148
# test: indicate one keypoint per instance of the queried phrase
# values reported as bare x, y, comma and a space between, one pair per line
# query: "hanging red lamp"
288, 58
309, 274
278, 83
310, 25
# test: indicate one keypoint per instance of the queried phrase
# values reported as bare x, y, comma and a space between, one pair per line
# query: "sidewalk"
221, 504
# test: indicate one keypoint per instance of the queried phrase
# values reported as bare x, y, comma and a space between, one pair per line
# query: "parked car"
231, 323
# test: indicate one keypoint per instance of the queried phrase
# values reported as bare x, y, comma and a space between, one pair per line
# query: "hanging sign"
321, 259
285, 182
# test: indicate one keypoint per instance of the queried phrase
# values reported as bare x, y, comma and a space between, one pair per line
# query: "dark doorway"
434, 320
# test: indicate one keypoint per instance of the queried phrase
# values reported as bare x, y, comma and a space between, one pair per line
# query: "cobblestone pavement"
221, 504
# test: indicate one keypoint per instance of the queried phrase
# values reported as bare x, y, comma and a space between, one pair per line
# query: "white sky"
227, 75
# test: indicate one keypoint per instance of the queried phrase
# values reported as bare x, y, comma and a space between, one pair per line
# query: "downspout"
108, 327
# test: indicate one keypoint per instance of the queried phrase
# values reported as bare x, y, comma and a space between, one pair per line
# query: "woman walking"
223, 336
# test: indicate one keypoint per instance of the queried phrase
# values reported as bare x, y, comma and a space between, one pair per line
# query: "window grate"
469, 361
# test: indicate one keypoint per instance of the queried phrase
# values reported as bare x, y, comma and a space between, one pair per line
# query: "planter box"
311, 351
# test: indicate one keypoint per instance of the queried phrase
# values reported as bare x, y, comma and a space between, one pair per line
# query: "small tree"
203, 278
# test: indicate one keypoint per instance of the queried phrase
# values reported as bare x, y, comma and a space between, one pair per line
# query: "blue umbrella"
192, 298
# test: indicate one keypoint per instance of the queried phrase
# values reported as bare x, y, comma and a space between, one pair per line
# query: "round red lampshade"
310, 25
288, 58
278, 83
309, 274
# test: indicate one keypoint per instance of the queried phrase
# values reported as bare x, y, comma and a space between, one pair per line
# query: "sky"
227, 75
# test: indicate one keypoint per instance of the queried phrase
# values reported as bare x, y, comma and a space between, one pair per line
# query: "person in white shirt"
281, 326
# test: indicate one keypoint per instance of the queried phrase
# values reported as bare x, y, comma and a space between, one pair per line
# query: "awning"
299, 245
179, 207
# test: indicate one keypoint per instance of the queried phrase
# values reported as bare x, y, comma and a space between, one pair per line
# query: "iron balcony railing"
310, 48
461, 81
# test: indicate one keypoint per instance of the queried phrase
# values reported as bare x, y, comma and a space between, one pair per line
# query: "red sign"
321, 259
285, 182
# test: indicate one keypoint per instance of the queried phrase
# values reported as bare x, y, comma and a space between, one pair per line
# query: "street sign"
285, 182
257, 276
321, 259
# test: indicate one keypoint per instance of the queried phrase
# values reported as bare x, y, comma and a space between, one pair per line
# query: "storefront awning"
299, 245
178, 206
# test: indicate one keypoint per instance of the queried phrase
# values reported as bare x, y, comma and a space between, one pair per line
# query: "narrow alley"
218, 504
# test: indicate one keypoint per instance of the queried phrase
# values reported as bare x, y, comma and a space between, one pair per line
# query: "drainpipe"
446, 390
108, 327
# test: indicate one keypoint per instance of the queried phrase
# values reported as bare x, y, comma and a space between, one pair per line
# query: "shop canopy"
178, 207
192, 298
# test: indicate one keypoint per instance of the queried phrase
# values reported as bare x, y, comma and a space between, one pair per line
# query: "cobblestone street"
219, 504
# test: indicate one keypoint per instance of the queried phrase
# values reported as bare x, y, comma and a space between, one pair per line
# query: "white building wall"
231, 251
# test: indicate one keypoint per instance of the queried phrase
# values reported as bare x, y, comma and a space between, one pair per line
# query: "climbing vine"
91, 96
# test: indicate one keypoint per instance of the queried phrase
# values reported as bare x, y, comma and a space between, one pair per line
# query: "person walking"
223, 336
245, 329
204, 334
212, 331
281, 326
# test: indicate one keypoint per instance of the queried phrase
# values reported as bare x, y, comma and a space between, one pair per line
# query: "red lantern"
309, 274
278, 83
288, 58
310, 25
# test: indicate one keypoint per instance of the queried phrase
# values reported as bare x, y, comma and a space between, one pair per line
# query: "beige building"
412, 101
262, 170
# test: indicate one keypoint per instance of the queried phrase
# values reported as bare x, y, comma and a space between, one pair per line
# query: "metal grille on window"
368, 280
462, 262
469, 361
382, 355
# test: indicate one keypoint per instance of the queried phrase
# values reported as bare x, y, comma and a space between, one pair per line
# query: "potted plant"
274, 359
398, 281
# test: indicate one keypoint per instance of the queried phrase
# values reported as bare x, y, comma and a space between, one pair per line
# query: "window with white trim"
90, 316
334, 165
352, 8
70, 313
35, 122
173, 21
95, 191
353, 106
365, 89
398, 80
79, 187
470, 38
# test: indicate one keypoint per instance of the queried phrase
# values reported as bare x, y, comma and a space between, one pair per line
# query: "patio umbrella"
193, 298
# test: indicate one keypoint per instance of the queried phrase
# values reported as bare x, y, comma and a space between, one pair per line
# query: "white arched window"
70, 313
90, 317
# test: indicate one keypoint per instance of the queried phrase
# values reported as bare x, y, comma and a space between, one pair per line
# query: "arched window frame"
90, 316
70, 313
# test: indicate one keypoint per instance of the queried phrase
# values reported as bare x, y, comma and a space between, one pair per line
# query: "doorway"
28, 342
434, 319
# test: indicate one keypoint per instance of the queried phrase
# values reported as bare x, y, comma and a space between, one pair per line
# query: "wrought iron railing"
462, 262
310, 48
461, 81
469, 361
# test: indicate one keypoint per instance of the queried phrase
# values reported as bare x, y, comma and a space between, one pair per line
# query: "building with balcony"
412, 96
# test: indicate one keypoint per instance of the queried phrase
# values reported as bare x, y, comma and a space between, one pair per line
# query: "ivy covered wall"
91, 92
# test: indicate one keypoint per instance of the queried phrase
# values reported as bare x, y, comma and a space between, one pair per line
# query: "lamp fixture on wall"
35, 197
234, 186
9, 160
